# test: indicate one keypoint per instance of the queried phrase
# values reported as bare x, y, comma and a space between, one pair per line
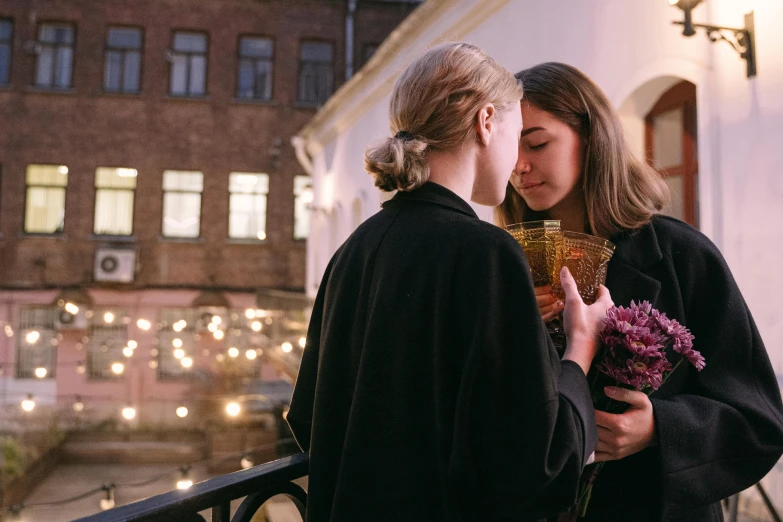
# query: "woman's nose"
523, 165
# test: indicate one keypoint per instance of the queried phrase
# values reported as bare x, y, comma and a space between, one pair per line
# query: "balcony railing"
257, 484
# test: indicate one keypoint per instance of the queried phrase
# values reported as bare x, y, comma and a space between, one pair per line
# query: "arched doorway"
670, 138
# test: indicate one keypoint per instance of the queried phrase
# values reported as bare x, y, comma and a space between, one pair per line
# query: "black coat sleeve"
724, 432
525, 423
300, 412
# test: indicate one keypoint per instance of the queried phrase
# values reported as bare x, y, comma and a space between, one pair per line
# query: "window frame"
20, 343
266, 210
189, 56
59, 232
682, 96
271, 61
163, 206
10, 43
96, 189
55, 47
309, 215
124, 51
300, 63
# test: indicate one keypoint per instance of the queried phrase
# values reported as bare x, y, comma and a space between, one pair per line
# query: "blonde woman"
429, 390
703, 435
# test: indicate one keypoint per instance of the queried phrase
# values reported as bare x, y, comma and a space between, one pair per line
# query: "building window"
55, 56
303, 196
316, 72
189, 64
254, 77
114, 193
670, 135
6, 37
182, 203
45, 205
248, 193
177, 343
122, 69
108, 339
37, 344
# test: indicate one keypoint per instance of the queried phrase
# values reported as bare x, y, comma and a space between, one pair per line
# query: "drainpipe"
349, 17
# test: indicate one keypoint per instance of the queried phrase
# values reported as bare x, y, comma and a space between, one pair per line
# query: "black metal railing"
257, 484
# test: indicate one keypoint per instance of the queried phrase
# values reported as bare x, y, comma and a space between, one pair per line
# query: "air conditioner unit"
115, 266
67, 321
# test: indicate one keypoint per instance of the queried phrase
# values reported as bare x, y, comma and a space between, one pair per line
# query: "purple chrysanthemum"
635, 339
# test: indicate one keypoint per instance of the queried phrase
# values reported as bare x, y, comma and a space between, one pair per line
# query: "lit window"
182, 203
114, 194
248, 195
303, 197
45, 205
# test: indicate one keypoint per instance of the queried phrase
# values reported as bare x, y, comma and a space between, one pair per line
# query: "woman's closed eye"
537, 146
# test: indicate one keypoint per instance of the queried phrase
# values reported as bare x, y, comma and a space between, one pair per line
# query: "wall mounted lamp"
741, 39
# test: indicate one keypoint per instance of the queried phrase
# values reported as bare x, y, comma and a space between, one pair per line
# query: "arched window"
670, 141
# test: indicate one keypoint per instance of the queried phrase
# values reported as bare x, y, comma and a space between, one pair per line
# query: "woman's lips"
530, 187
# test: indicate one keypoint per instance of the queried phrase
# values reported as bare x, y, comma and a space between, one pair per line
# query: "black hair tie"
403, 135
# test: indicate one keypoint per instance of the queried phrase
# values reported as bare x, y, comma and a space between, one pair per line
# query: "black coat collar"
630, 270
437, 194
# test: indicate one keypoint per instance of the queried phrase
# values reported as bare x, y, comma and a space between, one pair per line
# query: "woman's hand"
620, 435
582, 322
548, 303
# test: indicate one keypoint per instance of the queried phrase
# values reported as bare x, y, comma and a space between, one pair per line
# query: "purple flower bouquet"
633, 356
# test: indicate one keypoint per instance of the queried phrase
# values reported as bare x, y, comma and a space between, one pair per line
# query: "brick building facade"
146, 168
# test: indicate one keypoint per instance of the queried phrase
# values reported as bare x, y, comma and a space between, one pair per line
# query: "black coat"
429, 389
720, 430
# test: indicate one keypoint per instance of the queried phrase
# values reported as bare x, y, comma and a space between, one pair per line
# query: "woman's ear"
485, 123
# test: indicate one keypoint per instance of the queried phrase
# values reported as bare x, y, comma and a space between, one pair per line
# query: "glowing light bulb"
71, 308
177, 343
153, 364
233, 409
108, 317
187, 362
216, 319
182, 412
117, 368
302, 342
256, 326
179, 353
212, 327
250, 313
80, 367
251, 354
32, 337
78, 405
219, 335
184, 484
28, 404
40, 372
127, 351
143, 324
129, 412
220, 357
287, 347
246, 462
233, 352
133, 345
